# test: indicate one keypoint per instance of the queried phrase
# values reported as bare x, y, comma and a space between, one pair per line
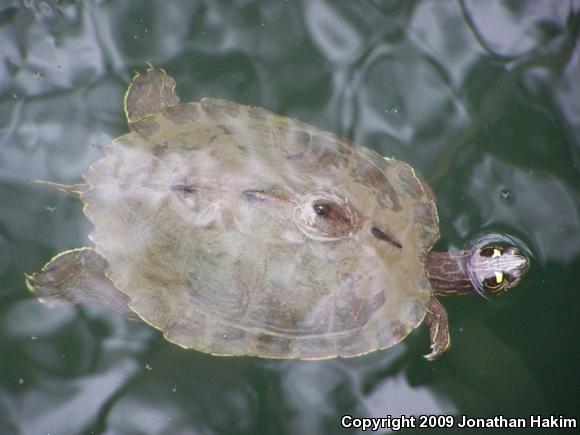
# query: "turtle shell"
236, 231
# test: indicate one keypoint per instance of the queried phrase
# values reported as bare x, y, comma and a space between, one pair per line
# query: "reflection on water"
481, 99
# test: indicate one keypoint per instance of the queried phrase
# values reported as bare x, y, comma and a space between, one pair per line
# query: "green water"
481, 97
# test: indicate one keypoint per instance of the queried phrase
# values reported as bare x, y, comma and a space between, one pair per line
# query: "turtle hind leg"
77, 276
148, 94
436, 319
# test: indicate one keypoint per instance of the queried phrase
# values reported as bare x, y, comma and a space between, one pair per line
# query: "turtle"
239, 232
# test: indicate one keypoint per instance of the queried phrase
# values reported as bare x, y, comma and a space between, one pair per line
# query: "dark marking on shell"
368, 174
355, 343
257, 113
372, 304
389, 332
315, 347
398, 328
224, 336
342, 319
314, 323
384, 335
297, 142
182, 113
188, 188
424, 213
301, 137
277, 316
273, 344
254, 195
387, 236
429, 237
160, 149
233, 305
329, 152
219, 110
224, 129
274, 195
351, 311
186, 331
415, 313
281, 130
228, 108
324, 153
409, 183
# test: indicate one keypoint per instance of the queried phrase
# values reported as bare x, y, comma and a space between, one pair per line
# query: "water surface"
482, 98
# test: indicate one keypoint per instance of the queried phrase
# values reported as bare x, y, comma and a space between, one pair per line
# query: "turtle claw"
30, 281
436, 319
434, 354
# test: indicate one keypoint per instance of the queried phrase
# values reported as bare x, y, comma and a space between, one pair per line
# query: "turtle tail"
75, 190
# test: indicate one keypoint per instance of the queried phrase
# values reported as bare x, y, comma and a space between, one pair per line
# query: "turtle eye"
325, 216
491, 251
322, 209
494, 282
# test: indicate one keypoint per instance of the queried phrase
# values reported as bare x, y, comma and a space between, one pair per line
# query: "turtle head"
494, 269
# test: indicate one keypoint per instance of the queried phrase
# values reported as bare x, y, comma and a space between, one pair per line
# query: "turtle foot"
436, 319
77, 276
148, 94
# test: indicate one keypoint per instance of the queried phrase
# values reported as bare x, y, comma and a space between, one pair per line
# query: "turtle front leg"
77, 276
436, 319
